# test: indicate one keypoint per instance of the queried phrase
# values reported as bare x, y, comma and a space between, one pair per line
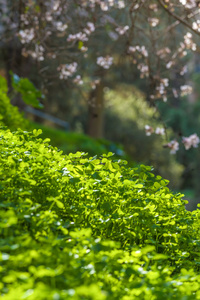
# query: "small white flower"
95, 83
80, 36
174, 146
26, 35
163, 52
144, 70
121, 4
191, 141
122, 30
83, 49
196, 25
183, 70
67, 70
153, 7
105, 62
149, 130
175, 93
78, 80
160, 131
188, 3
153, 21
91, 26
169, 64
60, 26
189, 44
186, 90
141, 49
104, 6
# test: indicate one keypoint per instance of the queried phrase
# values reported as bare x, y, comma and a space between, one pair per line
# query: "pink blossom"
191, 141
174, 146
149, 130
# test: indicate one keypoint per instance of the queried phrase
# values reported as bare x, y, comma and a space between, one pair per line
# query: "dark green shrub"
73, 227
69, 141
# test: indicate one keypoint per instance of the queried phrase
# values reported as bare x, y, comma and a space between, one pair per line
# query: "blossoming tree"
88, 39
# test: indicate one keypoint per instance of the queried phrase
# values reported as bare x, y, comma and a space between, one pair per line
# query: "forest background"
104, 68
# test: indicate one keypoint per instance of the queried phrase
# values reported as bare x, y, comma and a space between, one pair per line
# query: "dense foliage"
9, 114
74, 227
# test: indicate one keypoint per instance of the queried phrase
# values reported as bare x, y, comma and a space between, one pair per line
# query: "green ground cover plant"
78, 227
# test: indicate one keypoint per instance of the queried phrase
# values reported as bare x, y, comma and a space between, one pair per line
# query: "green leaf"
3, 84
37, 132
157, 185
59, 204
80, 45
159, 256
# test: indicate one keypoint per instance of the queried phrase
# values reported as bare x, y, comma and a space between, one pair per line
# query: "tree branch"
184, 22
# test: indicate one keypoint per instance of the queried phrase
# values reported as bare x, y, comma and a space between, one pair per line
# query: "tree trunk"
95, 112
